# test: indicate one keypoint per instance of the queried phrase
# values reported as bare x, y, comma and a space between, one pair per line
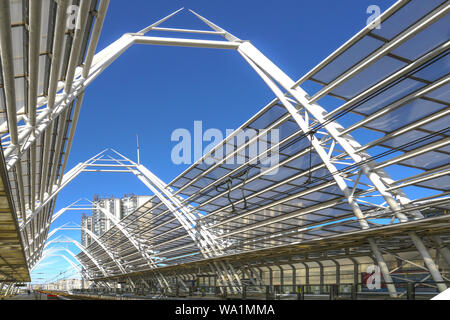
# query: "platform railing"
350, 291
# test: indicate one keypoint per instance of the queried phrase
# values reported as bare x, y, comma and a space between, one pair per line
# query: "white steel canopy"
389, 86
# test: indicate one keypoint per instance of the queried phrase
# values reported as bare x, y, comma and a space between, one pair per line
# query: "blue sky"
152, 90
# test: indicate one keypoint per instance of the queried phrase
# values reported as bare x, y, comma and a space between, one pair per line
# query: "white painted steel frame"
289, 93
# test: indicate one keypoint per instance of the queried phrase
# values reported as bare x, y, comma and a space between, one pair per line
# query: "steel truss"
360, 179
72, 264
187, 216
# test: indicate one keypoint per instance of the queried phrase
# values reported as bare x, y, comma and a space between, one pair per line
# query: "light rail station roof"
368, 136
389, 86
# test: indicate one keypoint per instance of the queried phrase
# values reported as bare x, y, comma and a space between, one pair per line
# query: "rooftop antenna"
138, 155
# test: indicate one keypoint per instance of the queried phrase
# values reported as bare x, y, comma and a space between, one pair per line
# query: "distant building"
86, 223
64, 285
99, 223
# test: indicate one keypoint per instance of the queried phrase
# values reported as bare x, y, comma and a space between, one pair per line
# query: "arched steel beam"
91, 234
95, 238
72, 174
187, 216
44, 256
85, 251
100, 243
72, 264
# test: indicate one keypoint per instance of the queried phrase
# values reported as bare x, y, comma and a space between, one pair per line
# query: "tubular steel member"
161, 279
6, 55
105, 249
83, 249
46, 255
203, 238
264, 67
128, 235
188, 218
72, 174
